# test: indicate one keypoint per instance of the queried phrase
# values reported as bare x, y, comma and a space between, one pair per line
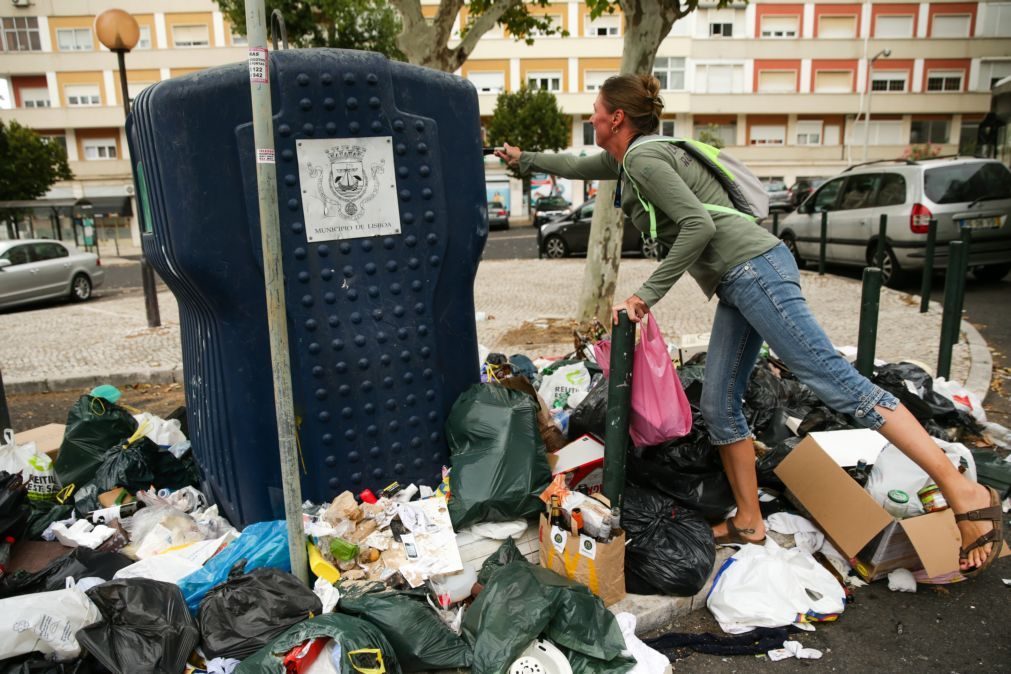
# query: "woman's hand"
635, 308
509, 154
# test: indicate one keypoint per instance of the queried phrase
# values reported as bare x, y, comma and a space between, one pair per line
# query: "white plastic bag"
963, 398
167, 434
769, 586
894, 470
563, 382
35, 467
46, 622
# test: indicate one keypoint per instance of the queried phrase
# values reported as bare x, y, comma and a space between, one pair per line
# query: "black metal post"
5, 413
961, 271
951, 315
868, 331
822, 243
619, 393
775, 224
879, 257
928, 266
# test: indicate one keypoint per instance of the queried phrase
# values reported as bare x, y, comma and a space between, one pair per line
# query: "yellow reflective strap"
376, 659
64, 494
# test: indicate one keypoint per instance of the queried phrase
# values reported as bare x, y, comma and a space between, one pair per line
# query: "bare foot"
977, 497
751, 529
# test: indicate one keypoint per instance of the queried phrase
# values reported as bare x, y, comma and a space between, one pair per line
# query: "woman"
758, 285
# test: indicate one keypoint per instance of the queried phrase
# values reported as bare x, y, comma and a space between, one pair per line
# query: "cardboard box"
47, 438
582, 460
598, 566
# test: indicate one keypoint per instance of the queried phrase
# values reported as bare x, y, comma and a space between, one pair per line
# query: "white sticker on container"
559, 538
587, 546
258, 65
264, 156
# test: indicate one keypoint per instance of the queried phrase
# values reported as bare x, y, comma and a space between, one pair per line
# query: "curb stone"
980, 362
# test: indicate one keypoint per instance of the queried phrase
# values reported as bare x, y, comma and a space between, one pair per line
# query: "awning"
100, 206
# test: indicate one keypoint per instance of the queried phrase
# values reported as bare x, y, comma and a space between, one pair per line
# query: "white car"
38, 269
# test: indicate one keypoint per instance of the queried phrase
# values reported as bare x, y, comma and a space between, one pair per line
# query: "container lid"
898, 496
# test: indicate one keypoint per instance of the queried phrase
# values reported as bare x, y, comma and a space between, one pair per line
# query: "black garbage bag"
93, 426
590, 416
824, 419
420, 639
352, 635
506, 554
692, 379
141, 463
37, 663
766, 464
14, 509
923, 402
242, 614
499, 462
77, 564
762, 397
42, 513
146, 627
671, 548
522, 601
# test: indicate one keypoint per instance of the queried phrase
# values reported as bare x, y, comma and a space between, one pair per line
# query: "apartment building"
780, 84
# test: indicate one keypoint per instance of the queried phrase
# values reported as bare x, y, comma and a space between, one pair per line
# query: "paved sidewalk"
69, 346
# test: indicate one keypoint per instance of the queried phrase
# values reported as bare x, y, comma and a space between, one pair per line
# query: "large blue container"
381, 328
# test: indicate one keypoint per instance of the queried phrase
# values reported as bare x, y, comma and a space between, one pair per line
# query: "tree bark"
428, 45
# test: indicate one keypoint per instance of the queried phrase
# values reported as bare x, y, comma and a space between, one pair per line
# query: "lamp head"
886, 53
117, 30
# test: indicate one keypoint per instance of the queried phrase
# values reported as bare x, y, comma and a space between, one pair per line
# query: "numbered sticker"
559, 537
587, 546
258, 65
264, 156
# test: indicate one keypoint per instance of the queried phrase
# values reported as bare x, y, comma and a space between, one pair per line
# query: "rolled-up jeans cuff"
718, 442
867, 416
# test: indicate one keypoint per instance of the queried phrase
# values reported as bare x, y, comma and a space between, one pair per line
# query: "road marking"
517, 235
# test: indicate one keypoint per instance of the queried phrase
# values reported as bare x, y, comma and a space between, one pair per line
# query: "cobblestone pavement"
110, 335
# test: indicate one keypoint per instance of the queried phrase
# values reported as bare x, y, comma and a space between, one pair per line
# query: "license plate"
992, 222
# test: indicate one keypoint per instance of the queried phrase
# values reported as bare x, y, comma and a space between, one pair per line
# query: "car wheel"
791, 243
555, 247
649, 248
892, 275
80, 288
991, 273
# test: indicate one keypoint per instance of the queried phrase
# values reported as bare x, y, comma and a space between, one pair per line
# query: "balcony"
113, 169
33, 63
99, 117
837, 104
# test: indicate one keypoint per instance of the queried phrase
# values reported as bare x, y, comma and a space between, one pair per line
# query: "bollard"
540, 240
879, 257
868, 332
775, 224
928, 266
961, 273
5, 413
949, 317
619, 393
821, 245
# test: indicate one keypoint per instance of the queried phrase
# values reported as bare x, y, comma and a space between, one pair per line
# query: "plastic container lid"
898, 496
541, 657
107, 392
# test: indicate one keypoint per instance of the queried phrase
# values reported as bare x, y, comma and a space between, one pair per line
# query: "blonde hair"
638, 96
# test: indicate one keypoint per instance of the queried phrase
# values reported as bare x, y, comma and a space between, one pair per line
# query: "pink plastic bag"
660, 409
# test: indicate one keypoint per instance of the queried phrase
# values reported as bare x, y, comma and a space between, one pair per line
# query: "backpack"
745, 190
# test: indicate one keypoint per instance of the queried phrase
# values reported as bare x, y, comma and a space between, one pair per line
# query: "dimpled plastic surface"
381, 329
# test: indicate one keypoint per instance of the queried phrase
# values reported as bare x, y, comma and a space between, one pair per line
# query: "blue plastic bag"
260, 544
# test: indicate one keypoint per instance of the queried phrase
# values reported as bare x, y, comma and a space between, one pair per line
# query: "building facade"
781, 85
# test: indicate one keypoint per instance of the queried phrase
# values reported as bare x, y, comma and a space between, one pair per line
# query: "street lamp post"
119, 32
870, 90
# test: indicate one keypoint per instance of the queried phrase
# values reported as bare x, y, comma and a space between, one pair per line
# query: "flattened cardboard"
47, 438
583, 462
936, 539
841, 507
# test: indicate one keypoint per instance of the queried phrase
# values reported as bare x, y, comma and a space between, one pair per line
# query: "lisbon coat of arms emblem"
349, 183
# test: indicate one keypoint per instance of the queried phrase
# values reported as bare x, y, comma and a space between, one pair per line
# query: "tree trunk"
427, 44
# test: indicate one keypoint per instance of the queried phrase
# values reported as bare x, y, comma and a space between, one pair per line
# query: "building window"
968, 138
837, 26
882, 132
487, 82
998, 20
667, 128
777, 81
721, 30
720, 79
671, 73
725, 134
944, 80
191, 36
99, 148
833, 82
594, 79
893, 25
889, 80
35, 97
950, 25
145, 38
82, 95
589, 137
545, 81
603, 26
133, 89
57, 140
20, 33
768, 134
74, 39
780, 26
992, 72
929, 131
809, 132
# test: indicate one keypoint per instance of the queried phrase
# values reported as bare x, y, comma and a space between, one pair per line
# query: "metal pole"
821, 245
5, 413
868, 332
928, 266
146, 271
619, 393
273, 280
950, 316
961, 271
775, 224
879, 257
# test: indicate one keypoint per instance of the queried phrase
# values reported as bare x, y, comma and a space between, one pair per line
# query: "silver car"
37, 269
960, 193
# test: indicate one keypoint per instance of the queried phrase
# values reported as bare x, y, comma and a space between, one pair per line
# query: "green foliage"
530, 120
371, 25
522, 20
29, 164
710, 135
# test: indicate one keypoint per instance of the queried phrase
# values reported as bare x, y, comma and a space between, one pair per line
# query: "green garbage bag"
44, 513
357, 639
94, 425
498, 456
419, 637
522, 601
506, 553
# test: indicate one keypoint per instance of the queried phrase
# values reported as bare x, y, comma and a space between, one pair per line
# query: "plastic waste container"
381, 193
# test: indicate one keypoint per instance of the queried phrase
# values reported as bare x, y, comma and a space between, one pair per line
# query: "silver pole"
273, 279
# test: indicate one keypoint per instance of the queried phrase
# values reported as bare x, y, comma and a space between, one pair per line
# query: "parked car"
801, 190
547, 209
959, 193
779, 197
570, 234
36, 269
498, 216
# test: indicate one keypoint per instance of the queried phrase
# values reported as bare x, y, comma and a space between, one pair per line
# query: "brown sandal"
734, 536
995, 514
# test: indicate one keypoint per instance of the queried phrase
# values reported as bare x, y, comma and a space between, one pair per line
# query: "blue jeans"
760, 300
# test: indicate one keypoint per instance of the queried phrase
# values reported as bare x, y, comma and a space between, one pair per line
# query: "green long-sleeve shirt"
702, 243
